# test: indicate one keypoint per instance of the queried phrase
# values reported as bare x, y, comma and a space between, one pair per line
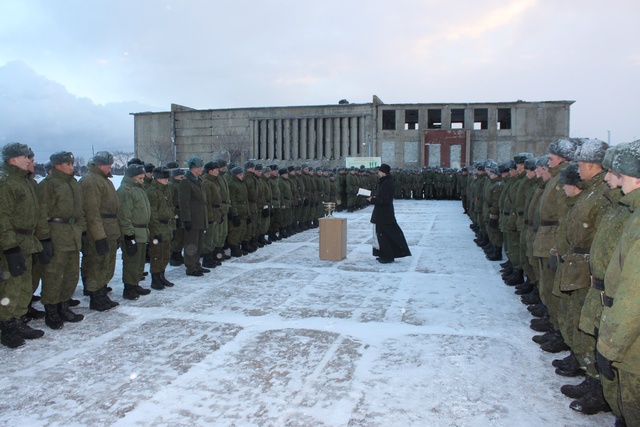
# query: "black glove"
102, 246
493, 223
604, 366
248, 220
229, 216
130, 245
84, 243
178, 223
553, 263
16, 261
236, 221
47, 252
187, 225
265, 213
158, 239
306, 202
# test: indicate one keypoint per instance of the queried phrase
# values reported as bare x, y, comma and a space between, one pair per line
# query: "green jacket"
22, 222
162, 221
239, 198
551, 209
285, 191
135, 211
61, 195
101, 205
223, 186
193, 202
214, 200
619, 338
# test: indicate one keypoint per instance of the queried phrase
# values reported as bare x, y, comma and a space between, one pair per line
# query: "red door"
445, 148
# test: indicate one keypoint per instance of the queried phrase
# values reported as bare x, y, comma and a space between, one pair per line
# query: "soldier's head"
134, 161
212, 168
172, 165
103, 160
238, 173
177, 174
570, 179
195, 165
249, 166
284, 173
62, 161
223, 165
136, 172
148, 169
626, 162
16, 154
589, 156
611, 178
542, 167
258, 169
162, 175
562, 150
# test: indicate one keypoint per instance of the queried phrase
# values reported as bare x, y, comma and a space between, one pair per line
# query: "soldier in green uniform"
250, 181
61, 196
214, 213
491, 210
285, 191
23, 232
276, 221
177, 240
352, 189
148, 174
239, 212
618, 346
193, 213
101, 207
222, 231
264, 203
133, 216
162, 223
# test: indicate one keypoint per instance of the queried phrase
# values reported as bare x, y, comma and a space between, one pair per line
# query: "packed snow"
282, 338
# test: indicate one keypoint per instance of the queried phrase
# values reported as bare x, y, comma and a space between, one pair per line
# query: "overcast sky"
220, 54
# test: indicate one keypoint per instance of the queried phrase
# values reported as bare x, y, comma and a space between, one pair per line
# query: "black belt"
597, 283
139, 225
506, 213
521, 213
549, 223
215, 206
580, 251
23, 231
163, 221
607, 301
62, 220
109, 216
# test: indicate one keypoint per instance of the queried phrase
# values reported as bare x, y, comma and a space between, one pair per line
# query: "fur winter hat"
61, 157
249, 165
283, 171
161, 172
172, 165
626, 159
177, 172
102, 158
149, 167
258, 167
135, 161
542, 161
564, 148
608, 156
14, 149
211, 166
195, 162
570, 175
385, 168
521, 158
530, 163
506, 166
134, 170
237, 171
591, 151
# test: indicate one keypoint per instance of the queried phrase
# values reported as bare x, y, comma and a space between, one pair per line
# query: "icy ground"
281, 338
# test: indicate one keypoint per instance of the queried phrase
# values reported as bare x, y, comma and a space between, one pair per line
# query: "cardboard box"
333, 238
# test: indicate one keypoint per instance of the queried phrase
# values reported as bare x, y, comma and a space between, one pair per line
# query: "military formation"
569, 222
198, 217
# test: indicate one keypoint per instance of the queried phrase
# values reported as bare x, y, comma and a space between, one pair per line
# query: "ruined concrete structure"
403, 135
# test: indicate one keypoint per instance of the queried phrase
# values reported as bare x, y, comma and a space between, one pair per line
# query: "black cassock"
390, 236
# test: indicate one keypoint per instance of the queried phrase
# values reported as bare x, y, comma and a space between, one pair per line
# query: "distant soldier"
177, 241
239, 212
61, 196
101, 206
161, 225
214, 213
220, 238
133, 216
264, 202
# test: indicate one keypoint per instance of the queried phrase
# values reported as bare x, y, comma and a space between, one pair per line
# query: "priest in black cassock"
389, 242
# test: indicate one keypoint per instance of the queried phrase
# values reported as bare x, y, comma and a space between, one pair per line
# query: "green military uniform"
222, 231
239, 212
264, 203
162, 223
214, 216
193, 212
177, 240
277, 220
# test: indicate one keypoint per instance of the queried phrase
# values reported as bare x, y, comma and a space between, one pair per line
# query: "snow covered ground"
281, 338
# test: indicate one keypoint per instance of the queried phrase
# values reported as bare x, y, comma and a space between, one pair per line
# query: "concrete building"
403, 135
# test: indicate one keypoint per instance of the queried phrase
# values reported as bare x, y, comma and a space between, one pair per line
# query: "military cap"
304, 165
283, 171
608, 156
273, 167
570, 175
195, 162
61, 157
161, 172
249, 164
31, 154
291, 168
149, 167
135, 161
172, 165
211, 166
102, 158
222, 162
542, 161
591, 151
298, 168
385, 168
520, 158
565, 148
177, 172
258, 166
14, 149
134, 170
530, 163
626, 159
506, 166
47, 166
237, 170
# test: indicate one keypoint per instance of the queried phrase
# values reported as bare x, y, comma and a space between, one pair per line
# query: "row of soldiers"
429, 183
568, 222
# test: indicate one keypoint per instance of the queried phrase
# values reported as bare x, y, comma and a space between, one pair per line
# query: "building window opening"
411, 119
504, 118
480, 118
434, 119
388, 119
457, 118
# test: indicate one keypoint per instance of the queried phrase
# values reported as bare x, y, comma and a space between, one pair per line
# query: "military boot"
73, 302
539, 310
130, 293
592, 402
579, 390
224, 255
236, 252
531, 298
26, 331
165, 282
525, 287
262, 240
175, 260
516, 278
505, 264
547, 336
496, 255
140, 290
247, 247
156, 282
9, 335
98, 300
570, 369
257, 243
273, 237
209, 260
555, 345
67, 315
33, 313
541, 325
52, 318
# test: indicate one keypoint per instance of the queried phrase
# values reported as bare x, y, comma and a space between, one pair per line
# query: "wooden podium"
333, 238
